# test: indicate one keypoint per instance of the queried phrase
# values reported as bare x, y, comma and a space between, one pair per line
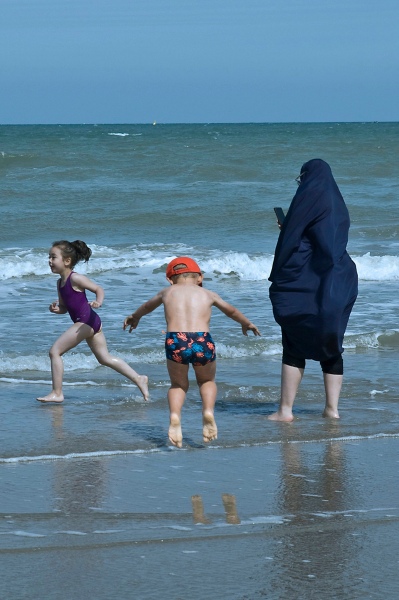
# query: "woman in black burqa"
314, 285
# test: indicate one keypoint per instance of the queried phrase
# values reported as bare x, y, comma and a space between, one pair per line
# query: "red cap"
190, 266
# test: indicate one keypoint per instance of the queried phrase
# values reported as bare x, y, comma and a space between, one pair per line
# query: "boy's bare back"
188, 307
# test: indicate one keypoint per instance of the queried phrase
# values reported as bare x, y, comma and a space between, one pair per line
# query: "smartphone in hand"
279, 214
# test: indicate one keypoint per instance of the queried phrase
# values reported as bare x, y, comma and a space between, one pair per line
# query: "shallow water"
93, 500
292, 519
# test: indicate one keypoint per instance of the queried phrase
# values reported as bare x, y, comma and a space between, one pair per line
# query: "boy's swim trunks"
195, 347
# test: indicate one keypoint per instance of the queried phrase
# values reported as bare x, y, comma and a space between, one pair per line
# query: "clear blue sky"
185, 61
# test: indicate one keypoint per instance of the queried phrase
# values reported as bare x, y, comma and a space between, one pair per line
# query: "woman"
314, 286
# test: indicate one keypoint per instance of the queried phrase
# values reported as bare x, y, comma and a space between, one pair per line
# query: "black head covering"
314, 281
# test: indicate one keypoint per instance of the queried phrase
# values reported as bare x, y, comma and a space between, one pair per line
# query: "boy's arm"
133, 320
231, 311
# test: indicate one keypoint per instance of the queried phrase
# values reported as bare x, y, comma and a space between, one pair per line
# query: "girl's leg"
332, 386
98, 346
178, 374
205, 375
291, 377
68, 340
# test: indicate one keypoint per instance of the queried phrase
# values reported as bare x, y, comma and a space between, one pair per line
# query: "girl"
71, 286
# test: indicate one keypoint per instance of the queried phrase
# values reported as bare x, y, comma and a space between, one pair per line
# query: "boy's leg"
98, 346
205, 375
332, 386
178, 374
68, 340
291, 377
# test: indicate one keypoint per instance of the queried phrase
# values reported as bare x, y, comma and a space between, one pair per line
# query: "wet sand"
290, 519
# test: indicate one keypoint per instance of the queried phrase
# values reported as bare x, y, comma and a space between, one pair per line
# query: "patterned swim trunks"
196, 348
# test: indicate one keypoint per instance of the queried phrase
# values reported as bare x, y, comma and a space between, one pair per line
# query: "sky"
198, 61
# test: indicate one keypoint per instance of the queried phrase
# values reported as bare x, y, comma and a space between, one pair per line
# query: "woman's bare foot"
175, 433
142, 384
209, 430
52, 397
330, 413
282, 415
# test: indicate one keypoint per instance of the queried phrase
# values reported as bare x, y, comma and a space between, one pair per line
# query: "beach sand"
290, 519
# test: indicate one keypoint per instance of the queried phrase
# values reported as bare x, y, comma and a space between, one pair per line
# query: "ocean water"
140, 195
93, 484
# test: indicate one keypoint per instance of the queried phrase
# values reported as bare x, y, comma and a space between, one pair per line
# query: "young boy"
188, 308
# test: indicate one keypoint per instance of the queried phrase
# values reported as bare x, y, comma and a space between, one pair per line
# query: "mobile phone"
279, 214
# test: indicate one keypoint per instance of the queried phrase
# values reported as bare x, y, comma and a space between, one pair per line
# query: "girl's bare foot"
52, 397
142, 384
209, 430
285, 416
175, 433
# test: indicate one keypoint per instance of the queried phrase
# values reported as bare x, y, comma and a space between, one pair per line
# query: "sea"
140, 195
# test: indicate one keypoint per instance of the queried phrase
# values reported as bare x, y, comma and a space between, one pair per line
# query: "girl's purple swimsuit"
78, 306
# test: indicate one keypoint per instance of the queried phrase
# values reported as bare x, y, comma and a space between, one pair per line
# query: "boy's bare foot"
330, 413
52, 397
175, 433
198, 510
142, 384
280, 415
209, 430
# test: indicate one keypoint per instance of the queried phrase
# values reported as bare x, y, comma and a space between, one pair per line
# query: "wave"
80, 362
388, 338
18, 263
138, 451
125, 134
377, 268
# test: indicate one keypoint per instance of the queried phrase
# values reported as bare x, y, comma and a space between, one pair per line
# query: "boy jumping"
188, 308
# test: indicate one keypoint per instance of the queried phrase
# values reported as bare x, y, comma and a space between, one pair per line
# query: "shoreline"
143, 513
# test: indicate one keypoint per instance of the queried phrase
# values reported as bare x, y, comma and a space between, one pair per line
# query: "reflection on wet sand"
315, 492
79, 485
230, 509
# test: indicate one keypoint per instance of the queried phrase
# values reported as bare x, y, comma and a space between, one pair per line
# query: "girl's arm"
82, 283
58, 306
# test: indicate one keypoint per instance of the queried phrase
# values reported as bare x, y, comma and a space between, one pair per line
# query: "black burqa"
314, 280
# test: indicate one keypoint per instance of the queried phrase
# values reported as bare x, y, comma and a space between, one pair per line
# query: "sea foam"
21, 263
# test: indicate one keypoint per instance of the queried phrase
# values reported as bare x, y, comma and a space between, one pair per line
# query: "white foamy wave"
21, 363
256, 348
80, 455
73, 361
78, 361
245, 267
373, 339
48, 382
115, 453
20, 263
377, 268
119, 134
